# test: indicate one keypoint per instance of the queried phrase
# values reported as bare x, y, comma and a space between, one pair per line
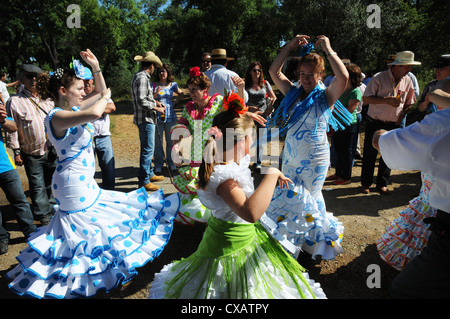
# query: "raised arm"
100, 84
337, 87
279, 79
63, 120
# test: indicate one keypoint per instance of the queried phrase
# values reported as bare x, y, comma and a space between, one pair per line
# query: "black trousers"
370, 155
428, 274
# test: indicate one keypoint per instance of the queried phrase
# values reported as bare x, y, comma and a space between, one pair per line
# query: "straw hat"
218, 54
149, 56
405, 58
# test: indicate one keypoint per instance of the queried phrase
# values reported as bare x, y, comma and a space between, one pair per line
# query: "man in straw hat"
145, 108
390, 94
221, 78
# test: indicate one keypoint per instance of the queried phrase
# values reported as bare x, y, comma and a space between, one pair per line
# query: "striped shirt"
142, 98
26, 111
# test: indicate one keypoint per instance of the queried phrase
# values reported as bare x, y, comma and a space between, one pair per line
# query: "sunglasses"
257, 70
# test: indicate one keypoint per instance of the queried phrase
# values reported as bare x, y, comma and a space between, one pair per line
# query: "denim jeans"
106, 162
11, 185
163, 130
39, 171
147, 139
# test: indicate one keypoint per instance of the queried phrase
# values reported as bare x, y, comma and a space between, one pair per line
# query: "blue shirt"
6, 163
165, 96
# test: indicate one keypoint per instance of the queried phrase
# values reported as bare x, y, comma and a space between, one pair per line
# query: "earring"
205, 95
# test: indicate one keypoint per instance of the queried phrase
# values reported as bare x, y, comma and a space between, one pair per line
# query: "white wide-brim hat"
405, 58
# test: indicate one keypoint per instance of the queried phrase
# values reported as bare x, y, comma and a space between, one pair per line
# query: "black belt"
440, 223
370, 119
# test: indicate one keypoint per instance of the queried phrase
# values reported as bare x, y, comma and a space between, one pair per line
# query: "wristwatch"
16, 151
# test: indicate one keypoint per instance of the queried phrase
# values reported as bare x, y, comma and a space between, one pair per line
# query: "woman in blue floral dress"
297, 216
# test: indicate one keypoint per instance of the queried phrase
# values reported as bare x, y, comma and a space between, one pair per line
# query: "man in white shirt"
4, 94
424, 146
220, 76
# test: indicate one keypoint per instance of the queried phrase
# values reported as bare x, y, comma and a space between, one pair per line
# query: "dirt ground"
349, 276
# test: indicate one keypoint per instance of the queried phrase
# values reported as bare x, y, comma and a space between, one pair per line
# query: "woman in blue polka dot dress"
97, 238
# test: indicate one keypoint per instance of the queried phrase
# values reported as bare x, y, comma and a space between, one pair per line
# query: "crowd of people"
93, 238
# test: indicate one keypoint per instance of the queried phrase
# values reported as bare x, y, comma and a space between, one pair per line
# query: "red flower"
195, 71
234, 101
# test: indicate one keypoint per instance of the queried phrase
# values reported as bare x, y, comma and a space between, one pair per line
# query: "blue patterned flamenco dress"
97, 238
297, 216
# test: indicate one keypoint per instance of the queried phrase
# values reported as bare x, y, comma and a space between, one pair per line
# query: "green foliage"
179, 31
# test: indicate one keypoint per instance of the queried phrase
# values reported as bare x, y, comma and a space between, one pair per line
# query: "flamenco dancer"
194, 123
297, 216
97, 238
236, 258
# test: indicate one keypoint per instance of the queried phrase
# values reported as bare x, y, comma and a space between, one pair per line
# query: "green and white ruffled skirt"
235, 261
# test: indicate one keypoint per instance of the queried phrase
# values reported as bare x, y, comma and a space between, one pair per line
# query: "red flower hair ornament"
235, 102
195, 71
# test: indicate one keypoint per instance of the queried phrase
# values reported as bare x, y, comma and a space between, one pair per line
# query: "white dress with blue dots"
97, 238
297, 215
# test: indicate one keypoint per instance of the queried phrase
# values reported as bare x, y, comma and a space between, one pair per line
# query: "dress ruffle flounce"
260, 270
407, 235
295, 219
81, 253
191, 209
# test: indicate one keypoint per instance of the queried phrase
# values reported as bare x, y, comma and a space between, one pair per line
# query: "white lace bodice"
240, 173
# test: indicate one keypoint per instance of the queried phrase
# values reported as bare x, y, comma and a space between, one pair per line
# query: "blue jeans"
39, 171
164, 130
147, 139
12, 187
105, 157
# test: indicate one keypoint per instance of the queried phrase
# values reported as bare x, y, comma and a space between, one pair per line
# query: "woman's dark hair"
170, 77
248, 75
355, 75
48, 86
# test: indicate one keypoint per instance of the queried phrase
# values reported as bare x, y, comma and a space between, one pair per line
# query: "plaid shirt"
29, 113
142, 98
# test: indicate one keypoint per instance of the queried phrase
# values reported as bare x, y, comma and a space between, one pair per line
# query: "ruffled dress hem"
81, 254
260, 270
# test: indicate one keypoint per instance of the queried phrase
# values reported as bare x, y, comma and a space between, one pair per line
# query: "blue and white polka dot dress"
97, 238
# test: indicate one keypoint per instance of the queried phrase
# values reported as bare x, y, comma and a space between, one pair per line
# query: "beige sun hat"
149, 56
219, 54
405, 58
